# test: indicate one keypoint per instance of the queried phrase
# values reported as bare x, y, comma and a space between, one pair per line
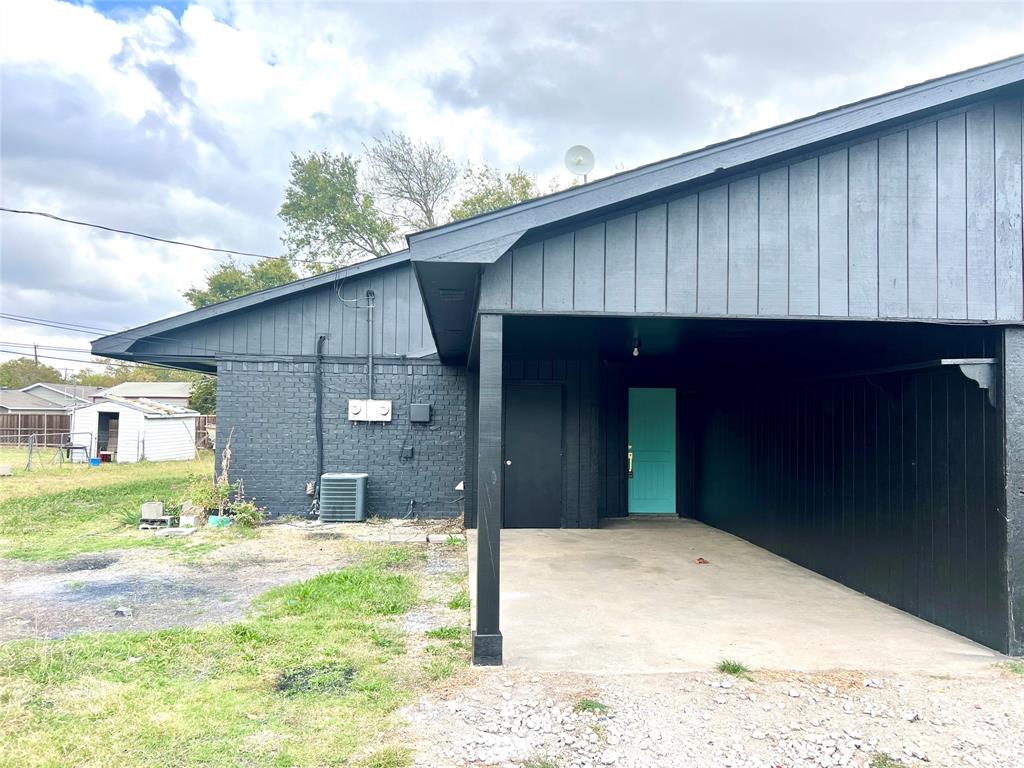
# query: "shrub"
246, 513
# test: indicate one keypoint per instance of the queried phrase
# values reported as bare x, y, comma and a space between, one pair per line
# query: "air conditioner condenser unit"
343, 497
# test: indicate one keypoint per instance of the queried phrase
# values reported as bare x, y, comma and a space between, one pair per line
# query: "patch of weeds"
538, 763
882, 760
388, 639
455, 541
591, 705
442, 668
75, 586
394, 557
320, 678
734, 668
447, 633
1015, 667
460, 602
130, 518
363, 590
388, 757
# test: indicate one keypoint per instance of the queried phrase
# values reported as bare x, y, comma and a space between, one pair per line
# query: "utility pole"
35, 353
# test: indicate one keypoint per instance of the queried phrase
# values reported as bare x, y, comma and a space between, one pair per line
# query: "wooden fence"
49, 428
206, 431
16, 428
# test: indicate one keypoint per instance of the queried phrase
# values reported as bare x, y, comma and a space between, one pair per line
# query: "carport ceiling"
797, 347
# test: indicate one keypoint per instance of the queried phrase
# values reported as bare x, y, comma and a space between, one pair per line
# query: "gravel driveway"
715, 721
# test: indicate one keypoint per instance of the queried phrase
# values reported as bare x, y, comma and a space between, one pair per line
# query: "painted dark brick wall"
269, 411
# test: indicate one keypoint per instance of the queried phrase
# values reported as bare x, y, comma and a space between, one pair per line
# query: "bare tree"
416, 179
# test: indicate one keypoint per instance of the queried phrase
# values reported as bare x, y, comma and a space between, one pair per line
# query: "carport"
867, 452
635, 597
811, 337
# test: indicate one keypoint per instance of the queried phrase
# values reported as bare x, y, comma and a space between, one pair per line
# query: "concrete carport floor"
630, 598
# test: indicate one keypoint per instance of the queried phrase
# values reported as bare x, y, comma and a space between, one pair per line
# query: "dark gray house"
811, 337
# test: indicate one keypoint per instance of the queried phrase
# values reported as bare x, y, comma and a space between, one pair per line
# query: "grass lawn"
312, 678
55, 512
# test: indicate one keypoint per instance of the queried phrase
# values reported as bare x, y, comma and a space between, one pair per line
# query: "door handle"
508, 462
629, 462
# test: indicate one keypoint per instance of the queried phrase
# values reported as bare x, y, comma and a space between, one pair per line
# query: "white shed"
131, 430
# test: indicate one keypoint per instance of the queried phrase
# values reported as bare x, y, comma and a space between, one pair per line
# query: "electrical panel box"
369, 410
419, 413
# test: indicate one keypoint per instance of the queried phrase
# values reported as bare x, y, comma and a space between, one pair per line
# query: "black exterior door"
533, 456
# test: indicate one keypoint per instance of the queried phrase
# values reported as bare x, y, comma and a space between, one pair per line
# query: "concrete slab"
631, 598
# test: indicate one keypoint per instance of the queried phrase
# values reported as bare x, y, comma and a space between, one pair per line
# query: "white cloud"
182, 126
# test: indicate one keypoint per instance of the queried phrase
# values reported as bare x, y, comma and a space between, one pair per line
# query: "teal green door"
652, 451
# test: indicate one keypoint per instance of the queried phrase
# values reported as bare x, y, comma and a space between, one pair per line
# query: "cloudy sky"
178, 119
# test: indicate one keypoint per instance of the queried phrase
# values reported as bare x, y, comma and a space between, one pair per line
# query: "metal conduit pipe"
369, 346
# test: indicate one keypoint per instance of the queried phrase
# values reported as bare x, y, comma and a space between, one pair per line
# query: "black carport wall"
885, 456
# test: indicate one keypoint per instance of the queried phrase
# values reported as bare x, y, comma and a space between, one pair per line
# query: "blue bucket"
95, 462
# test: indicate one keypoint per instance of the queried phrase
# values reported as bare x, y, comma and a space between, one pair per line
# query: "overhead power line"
81, 327
168, 241
92, 331
33, 345
103, 362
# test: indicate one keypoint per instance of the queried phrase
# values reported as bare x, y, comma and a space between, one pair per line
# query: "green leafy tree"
22, 371
329, 220
488, 189
118, 372
231, 279
204, 394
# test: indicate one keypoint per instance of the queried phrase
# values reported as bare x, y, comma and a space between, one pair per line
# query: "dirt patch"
144, 589
85, 563
215, 581
324, 678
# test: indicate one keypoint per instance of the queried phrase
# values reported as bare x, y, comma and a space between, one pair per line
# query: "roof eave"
118, 345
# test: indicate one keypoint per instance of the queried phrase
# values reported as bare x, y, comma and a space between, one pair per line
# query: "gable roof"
148, 389
484, 238
17, 400
115, 344
70, 391
447, 260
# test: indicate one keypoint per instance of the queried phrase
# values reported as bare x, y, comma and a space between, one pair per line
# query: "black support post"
1013, 408
487, 638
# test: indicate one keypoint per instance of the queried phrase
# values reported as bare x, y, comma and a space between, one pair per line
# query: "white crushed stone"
795, 720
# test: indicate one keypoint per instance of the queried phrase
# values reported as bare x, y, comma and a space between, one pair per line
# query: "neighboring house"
17, 401
132, 430
811, 337
67, 396
169, 392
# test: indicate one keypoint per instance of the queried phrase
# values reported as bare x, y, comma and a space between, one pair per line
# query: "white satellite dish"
580, 161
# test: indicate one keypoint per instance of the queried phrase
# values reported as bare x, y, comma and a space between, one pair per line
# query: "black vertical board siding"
580, 441
589, 465
1008, 210
923, 497
571, 447
1010, 486
941, 566
981, 220
469, 487
889, 484
922, 220
489, 472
